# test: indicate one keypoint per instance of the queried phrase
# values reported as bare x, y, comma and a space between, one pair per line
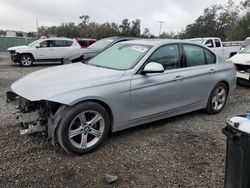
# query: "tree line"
229, 22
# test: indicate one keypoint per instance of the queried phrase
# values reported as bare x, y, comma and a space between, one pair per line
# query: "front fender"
71, 99
115, 97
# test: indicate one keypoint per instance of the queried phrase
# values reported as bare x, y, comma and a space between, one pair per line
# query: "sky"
21, 15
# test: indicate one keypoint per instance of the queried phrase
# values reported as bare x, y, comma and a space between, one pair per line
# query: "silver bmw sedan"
129, 84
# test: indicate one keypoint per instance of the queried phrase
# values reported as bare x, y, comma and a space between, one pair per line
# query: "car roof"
120, 38
58, 38
203, 38
85, 39
156, 42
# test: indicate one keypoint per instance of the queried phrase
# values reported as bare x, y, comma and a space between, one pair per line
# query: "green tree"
84, 19
215, 22
170, 35
241, 29
245, 4
135, 30
146, 33
125, 27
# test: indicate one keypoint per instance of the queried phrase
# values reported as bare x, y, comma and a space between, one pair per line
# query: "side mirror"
38, 45
209, 45
152, 67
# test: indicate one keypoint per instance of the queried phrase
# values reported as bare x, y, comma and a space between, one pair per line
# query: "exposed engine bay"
34, 116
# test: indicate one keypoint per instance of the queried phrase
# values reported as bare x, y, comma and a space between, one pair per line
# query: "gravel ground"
184, 151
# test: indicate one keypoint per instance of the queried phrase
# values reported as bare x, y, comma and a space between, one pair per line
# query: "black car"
96, 48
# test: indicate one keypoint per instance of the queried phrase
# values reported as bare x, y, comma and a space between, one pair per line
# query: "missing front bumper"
29, 115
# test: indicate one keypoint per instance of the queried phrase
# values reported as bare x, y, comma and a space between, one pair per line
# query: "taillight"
235, 68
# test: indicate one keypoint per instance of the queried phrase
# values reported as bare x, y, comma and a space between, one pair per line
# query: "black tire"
26, 60
210, 106
72, 114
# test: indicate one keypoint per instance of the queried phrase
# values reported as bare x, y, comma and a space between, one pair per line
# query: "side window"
69, 42
51, 43
60, 43
209, 43
217, 42
211, 59
168, 56
194, 55
44, 44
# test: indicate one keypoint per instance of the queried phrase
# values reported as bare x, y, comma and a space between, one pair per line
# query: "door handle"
178, 78
212, 70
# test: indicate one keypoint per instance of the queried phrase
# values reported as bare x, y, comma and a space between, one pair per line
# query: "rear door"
200, 73
62, 48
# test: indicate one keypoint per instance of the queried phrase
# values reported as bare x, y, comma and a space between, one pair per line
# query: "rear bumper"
243, 75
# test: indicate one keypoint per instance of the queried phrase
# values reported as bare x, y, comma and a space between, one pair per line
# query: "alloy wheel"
219, 98
86, 129
26, 61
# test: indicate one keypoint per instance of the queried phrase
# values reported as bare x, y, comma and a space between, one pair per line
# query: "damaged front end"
34, 116
243, 71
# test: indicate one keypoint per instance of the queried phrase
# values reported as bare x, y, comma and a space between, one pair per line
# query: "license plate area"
243, 75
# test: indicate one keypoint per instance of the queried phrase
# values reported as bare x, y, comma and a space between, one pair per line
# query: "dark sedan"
96, 48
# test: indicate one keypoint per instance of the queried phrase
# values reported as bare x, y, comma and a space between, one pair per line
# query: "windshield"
34, 43
103, 43
246, 50
120, 56
198, 41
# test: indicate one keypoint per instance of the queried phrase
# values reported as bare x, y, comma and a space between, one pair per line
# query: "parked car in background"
217, 46
96, 48
129, 84
51, 50
85, 42
242, 63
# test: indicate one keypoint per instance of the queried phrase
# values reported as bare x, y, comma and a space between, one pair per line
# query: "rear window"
69, 42
194, 55
211, 58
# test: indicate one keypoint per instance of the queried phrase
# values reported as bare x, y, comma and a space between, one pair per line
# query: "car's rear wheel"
217, 99
83, 127
26, 60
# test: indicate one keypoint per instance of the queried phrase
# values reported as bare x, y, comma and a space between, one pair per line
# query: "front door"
46, 51
156, 93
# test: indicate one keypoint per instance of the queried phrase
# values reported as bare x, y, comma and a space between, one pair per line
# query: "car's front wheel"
217, 99
83, 127
26, 60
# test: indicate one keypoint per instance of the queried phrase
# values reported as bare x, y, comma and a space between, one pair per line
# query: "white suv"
52, 50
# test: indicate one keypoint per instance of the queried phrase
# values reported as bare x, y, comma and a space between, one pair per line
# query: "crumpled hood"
49, 82
241, 58
17, 48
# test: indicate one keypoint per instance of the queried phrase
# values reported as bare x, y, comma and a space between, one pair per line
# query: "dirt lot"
184, 151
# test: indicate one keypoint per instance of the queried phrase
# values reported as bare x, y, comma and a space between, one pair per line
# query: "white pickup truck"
226, 50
